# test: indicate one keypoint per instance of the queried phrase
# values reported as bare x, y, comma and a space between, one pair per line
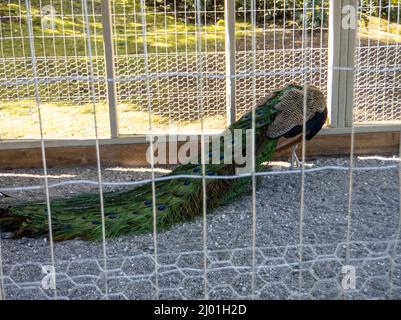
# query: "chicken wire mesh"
229, 275
378, 77
62, 62
229, 272
62, 69
131, 263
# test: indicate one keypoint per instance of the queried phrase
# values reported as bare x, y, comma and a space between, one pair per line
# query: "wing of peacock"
177, 200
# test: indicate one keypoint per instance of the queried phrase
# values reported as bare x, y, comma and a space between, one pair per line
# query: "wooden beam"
339, 145
134, 154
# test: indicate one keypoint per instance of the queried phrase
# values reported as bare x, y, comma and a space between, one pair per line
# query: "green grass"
68, 37
165, 32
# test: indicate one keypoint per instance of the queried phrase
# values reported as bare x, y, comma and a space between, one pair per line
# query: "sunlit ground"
379, 30
19, 120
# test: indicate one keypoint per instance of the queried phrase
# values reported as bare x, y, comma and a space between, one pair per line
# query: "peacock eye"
111, 215
197, 169
210, 173
187, 183
95, 223
147, 202
162, 207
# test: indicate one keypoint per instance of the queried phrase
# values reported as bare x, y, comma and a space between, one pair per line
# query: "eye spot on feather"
259, 113
95, 223
261, 122
187, 183
162, 207
210, 173
197, 169
147, 202
111, 215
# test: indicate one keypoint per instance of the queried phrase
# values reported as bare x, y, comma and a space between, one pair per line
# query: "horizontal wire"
187, 176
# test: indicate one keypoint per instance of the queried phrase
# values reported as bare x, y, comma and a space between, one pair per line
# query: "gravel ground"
130, 263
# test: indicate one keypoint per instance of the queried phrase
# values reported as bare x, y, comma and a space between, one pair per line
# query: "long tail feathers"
8, 221
132, 211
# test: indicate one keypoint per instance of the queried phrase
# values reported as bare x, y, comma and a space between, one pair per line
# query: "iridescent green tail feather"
131, 211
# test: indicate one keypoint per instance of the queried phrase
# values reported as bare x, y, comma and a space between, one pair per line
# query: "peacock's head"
315, 101
290, 109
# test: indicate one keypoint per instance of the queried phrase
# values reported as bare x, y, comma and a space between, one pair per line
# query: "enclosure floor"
131, 261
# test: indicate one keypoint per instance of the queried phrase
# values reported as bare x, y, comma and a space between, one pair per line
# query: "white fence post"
110, 68
342, 43
230, 59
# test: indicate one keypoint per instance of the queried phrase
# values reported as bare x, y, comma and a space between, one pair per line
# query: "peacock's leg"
294, 161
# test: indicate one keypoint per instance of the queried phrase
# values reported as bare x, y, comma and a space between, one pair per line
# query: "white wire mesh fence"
171, 69
131, 261
378, 92
62, 62
229, 274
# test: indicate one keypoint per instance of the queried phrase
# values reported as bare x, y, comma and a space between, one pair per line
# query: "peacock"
279, 117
